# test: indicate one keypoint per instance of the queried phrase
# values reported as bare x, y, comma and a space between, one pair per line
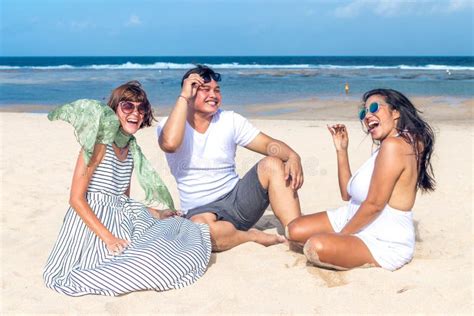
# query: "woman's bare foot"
266, 239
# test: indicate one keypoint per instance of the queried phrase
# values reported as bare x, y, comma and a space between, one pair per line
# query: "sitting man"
200, 141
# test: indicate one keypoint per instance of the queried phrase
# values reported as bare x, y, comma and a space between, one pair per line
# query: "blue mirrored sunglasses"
373, 108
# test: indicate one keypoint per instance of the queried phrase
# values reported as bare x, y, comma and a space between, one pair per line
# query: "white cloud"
380, 7
350, 10
458, 5
400, 7
134, 20
451, 6
391, 7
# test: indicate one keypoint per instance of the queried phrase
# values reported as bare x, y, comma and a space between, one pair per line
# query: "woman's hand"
163, 214
339, 136
190, 86
116, 246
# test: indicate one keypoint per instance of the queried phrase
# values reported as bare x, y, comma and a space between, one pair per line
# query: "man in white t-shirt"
200, 142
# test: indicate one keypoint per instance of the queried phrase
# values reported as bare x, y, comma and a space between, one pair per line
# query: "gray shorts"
242, 206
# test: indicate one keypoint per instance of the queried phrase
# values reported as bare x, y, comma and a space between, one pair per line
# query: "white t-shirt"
204, 165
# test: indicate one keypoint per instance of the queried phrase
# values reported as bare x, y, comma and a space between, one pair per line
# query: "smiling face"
130, 115
132, 121
383, 122
208, 98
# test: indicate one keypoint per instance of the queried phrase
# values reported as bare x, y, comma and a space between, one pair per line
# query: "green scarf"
96, 123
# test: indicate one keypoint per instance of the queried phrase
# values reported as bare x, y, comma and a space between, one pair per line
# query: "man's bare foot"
266, 239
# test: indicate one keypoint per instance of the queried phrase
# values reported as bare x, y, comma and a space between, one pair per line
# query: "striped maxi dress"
162, 255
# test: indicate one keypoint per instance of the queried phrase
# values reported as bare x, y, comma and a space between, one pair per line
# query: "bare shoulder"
396, 146
392, 157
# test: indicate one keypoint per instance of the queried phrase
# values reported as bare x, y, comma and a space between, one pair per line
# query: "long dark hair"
132, 91
414, 130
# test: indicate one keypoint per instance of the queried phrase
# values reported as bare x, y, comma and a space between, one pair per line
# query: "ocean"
26, 81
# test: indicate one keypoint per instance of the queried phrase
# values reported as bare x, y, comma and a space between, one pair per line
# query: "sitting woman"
109, 244
376, 227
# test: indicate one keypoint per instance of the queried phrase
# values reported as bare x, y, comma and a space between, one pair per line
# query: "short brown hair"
132, 91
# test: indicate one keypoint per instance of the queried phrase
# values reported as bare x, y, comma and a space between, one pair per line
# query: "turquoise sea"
246, 80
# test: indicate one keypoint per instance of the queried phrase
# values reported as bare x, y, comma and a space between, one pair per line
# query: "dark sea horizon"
28, 81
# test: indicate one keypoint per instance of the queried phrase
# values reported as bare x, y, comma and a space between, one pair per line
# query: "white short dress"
162, 255
391, 236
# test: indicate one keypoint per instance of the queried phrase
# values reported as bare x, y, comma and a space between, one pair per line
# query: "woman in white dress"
376, 227
110, 244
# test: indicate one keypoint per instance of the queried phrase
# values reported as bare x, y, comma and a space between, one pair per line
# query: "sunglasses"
211, 76
373, 108
128, 107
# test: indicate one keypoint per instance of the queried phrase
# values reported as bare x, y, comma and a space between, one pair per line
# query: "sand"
37, 161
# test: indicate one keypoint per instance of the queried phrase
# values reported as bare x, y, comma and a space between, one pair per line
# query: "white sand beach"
37, 159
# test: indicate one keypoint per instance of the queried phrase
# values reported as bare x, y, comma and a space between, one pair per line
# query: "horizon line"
185, 56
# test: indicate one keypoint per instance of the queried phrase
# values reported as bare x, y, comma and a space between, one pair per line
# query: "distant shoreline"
434, 108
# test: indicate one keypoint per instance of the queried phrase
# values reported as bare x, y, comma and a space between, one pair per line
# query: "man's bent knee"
270, 165
268, 168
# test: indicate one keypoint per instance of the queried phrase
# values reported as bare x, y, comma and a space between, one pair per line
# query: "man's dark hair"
203, 71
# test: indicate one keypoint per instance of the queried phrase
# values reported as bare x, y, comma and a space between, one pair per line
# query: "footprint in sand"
331, 278
405, 288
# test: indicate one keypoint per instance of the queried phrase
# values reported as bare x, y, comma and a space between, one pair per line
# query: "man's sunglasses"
128, 107
211, 76
373, 108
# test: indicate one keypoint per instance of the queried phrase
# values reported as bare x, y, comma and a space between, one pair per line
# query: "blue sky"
231, 27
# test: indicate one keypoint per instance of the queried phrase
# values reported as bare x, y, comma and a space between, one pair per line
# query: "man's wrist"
184, 98
294, 155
